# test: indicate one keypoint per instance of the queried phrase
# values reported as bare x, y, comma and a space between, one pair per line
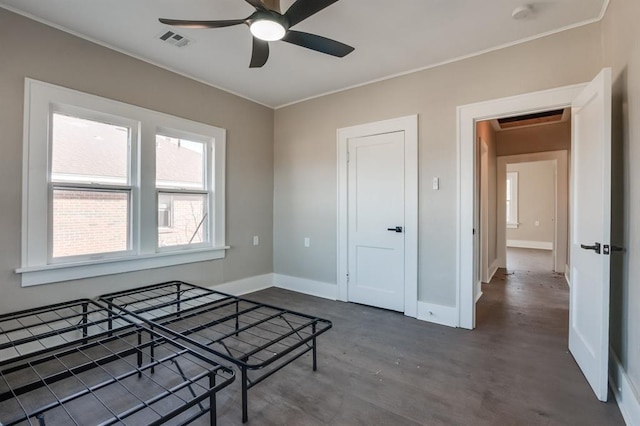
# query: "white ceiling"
390, 37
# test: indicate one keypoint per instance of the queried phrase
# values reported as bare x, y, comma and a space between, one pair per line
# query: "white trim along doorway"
467, 116
408, 128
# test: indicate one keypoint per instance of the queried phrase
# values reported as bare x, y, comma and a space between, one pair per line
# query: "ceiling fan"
268, 24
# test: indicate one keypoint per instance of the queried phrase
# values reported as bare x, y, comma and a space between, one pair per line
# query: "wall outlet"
307, 241
436, 183
256, 240
536, 223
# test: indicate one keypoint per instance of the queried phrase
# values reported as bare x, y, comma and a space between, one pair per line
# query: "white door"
376, 220
590, 231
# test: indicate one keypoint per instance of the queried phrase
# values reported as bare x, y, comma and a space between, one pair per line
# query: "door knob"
396, 229
595, 247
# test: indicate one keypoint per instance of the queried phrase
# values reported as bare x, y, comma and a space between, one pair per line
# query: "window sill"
512, 225
36, 275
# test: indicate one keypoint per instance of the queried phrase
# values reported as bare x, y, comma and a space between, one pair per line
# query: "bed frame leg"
110, 316
213, 414
237, 320
178, 297
315, 352
40, 418
139, 353
245, 416
152, 351
85, 330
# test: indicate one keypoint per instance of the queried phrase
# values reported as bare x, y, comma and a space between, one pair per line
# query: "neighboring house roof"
91, 150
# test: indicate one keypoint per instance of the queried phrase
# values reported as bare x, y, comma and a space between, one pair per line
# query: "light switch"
436, 183
537, 223
256, 240
307, 241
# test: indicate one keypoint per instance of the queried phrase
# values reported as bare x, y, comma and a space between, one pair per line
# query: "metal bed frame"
80, 363
259, 339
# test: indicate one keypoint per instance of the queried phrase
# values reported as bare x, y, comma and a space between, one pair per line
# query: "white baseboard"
245, 285
478, 296
439, 314
493, 269
540, 245
305, 286
624, 391
566, 275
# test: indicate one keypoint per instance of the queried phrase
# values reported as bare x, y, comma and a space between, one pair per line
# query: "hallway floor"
525, 312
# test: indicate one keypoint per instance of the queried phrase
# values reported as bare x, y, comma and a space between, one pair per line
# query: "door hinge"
348, 156
347, 277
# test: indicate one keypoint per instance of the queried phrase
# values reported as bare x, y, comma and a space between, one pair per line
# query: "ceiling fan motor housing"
268, 15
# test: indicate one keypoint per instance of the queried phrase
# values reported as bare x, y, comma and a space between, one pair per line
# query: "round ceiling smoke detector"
522, 12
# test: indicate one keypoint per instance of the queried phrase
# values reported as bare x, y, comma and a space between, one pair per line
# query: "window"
110, 187
90, 186
512, 199
183, 198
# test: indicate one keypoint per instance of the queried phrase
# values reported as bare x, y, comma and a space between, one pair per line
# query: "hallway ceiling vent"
544, 117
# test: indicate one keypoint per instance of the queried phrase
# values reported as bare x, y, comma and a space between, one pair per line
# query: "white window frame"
208, 189
70, 184
41, 100
513, 200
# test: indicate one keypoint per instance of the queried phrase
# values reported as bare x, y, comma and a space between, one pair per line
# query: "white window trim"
513, 177
36, 267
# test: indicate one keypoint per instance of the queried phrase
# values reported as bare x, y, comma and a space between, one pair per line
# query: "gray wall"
305, 149
621, 35
536, 201
30, 49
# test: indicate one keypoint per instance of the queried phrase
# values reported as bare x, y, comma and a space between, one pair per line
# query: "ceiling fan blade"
257, 4
260, 53
183, 23
318, 43
302, 9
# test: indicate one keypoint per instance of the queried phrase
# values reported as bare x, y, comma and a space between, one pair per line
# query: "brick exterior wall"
86, 222
186, 213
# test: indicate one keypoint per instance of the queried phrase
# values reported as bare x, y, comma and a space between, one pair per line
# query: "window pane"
179, 163
182, 219
508, 211
89, 222
89, 151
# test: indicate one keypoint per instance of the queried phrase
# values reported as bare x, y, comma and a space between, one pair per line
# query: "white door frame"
560, 210
408, 125
467, 116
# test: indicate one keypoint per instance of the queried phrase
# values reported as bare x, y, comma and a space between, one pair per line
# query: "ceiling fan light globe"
267, 30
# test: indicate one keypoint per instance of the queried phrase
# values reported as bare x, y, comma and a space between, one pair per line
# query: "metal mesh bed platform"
259, 339
79, 363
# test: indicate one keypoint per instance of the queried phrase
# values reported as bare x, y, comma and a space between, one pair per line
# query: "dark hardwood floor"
380, 368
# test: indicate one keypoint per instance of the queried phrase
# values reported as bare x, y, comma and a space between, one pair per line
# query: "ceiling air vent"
174, 39
545, 117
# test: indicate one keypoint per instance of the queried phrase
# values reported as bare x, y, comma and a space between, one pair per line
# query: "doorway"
590, 218
468, 287
539, 207
523, 189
